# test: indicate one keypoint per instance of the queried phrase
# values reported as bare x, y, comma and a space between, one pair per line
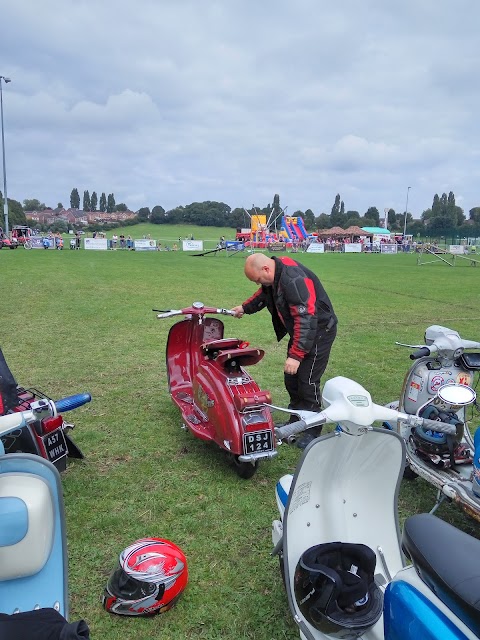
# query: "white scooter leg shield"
345, 489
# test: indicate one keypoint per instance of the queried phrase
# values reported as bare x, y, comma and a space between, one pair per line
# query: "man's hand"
291, 366
238, 311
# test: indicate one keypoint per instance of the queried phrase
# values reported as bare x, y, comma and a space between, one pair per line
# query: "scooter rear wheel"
245, 470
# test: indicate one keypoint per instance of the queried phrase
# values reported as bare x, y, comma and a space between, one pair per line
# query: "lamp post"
5, 197
406, 211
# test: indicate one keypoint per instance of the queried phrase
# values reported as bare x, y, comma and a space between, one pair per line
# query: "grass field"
75, 321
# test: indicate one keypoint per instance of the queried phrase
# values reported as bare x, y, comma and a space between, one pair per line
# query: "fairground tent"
356, 231
377, 231
334, 231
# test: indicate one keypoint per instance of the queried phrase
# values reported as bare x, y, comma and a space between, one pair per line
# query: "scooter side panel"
409, 613
178, 356
346, 489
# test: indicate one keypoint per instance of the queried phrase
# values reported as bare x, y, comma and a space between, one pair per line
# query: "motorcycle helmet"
335, 589
150, 577
440, 448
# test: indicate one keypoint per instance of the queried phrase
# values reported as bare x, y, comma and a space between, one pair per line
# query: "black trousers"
304, 387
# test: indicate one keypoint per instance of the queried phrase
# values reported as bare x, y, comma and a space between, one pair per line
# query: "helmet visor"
124, 586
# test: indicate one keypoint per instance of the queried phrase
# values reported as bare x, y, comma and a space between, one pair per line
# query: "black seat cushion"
448, 561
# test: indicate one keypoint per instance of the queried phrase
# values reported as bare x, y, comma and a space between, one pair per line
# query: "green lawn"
75, 321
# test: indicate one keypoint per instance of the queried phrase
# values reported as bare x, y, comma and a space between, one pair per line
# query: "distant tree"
352, 222
323, 221
336, 205
32, 204
175, 216
391, 219
342, 208
110, 203
86, 201
75, 199
207, 214
158, 215
416, 227
60, 205
352, 215
103, 202
16, 214
93, 201
277, 210
309, 220
144, 214
444, 217
374, 215
474, 214
59, 226
238, 219
121, 207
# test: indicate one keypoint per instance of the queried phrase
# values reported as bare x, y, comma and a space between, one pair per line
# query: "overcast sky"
173, 101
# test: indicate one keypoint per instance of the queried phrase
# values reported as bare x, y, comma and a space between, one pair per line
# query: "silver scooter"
440, 385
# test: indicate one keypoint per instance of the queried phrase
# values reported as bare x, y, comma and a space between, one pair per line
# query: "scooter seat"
210, 348
240, 357
448, 561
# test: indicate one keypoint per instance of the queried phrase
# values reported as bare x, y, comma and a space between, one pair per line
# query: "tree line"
443, 218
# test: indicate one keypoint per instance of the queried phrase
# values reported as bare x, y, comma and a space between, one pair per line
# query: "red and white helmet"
150, 577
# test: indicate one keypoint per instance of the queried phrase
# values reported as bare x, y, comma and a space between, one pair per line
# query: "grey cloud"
169, 102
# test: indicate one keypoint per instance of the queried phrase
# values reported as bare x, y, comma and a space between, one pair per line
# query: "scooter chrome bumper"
253, 457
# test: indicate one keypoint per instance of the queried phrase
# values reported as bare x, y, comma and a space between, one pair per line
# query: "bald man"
301, 308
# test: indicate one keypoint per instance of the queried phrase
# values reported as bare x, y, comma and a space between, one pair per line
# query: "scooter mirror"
456, 395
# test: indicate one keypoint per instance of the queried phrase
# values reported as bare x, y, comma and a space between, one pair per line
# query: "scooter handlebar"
168, 314
72, 402
189, 310
442, 427
420, 353
291, 429
470, 344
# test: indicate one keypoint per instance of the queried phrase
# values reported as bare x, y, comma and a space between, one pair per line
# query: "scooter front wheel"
245, 470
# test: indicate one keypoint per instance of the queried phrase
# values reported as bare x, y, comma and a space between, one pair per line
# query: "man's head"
260, 269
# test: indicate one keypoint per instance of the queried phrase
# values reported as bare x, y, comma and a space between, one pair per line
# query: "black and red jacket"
298, 303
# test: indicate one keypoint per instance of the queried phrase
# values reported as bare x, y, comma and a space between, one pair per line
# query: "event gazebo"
334, 231
355, 230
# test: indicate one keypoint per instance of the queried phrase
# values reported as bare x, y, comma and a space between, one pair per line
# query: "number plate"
257, 442
55, 445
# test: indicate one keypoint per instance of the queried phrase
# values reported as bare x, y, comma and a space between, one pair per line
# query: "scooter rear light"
50, 424
255, 421
252, 428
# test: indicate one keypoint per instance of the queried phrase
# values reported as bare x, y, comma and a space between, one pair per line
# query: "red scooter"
217, 398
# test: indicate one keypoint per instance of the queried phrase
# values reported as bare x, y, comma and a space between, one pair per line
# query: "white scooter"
339, 541
438, 386
33, 546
